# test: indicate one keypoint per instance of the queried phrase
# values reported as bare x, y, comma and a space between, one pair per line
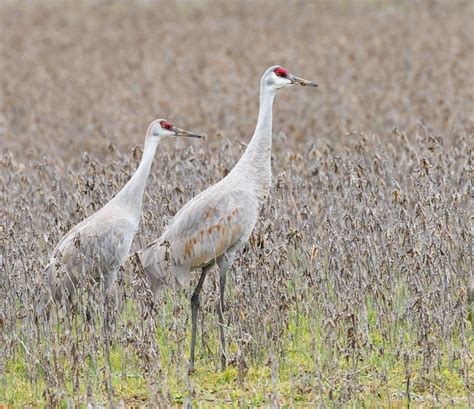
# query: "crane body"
212, 227
99, 244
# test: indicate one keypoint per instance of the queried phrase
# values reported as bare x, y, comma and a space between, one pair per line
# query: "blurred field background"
354, 288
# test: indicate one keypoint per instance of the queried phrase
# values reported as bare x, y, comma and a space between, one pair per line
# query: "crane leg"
220, 309
194, 310
224, 264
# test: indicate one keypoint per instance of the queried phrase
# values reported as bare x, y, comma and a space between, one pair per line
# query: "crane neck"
131, 195
255, 164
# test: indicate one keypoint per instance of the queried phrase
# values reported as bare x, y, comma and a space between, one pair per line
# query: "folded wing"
200, 232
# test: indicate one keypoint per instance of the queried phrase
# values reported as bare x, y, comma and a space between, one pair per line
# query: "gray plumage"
96, 246
99, 245
217, 223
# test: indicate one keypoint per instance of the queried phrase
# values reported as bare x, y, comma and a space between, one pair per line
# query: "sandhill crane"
217, 223
99, 244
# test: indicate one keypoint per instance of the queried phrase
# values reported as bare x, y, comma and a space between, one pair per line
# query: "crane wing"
103, 242
204, 229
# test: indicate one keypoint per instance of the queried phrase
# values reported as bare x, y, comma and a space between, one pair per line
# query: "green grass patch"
305, 372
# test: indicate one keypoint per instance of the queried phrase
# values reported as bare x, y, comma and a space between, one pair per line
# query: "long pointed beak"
300, 81
182, 132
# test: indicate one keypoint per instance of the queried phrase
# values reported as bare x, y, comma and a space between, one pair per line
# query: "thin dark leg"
224, 263
194, 311
220, 309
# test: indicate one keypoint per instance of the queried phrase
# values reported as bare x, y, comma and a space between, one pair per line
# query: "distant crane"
99, 244
212, 227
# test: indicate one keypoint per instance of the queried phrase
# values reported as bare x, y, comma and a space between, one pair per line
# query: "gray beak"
182, 132
300, 81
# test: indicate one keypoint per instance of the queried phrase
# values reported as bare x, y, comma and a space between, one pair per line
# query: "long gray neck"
255, 164
132, 193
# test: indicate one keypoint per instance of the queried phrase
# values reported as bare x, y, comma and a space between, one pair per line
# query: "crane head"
277, 77
162, 129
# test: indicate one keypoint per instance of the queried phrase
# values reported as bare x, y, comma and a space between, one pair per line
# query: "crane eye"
166, 125
281, 72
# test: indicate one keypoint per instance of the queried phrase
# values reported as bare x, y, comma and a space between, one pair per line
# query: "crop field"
355, 288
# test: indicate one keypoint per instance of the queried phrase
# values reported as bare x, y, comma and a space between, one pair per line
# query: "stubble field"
354, 287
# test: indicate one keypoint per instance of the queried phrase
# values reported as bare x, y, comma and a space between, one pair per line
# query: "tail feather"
42, 306
155, 265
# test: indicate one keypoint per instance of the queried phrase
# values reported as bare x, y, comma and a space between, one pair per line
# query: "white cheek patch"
283, 82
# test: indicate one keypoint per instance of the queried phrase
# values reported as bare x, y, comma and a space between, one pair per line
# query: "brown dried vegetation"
354, 285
